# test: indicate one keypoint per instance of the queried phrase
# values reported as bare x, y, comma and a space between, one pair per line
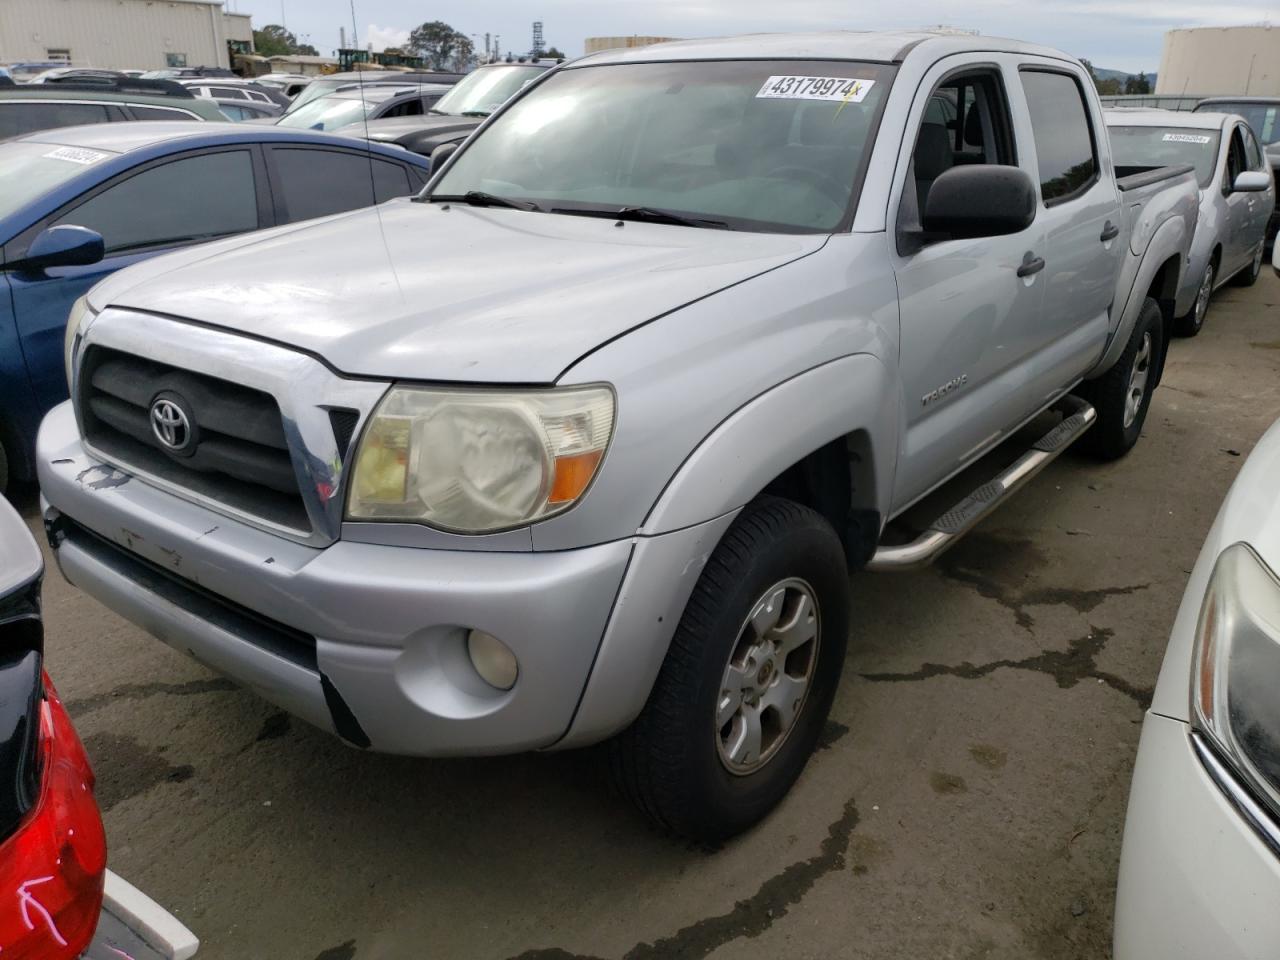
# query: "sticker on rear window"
76, 155
835, 89
1186, 138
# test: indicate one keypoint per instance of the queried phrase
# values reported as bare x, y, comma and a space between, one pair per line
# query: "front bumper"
1196, 879
363, 640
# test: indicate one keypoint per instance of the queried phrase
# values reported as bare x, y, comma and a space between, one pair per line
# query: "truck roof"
879, 46
1152, 117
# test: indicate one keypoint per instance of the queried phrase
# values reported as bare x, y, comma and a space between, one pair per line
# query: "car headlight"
80, 311
1236, 669
476, 461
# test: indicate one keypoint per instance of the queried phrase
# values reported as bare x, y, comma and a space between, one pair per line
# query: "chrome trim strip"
1264, 825
303, 387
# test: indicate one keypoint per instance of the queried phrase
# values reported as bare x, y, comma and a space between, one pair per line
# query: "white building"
1234, 61
120, 34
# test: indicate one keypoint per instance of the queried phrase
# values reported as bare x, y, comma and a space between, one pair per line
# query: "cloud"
383, 37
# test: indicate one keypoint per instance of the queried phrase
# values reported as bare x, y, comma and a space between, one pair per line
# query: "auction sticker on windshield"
837, 89
1186, 138
75, 155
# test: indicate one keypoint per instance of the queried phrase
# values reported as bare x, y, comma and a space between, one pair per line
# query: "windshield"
1263, 118
485, 90
29, 170
1166, 147
313, 91
330, 113
756, 145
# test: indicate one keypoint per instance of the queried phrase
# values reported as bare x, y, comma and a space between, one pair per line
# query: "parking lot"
968, 801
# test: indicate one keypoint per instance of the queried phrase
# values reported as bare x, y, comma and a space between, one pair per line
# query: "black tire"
669, 761
1249, 275
1193, 321
1110, 438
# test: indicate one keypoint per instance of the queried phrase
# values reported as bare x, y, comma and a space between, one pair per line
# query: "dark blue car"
81, 202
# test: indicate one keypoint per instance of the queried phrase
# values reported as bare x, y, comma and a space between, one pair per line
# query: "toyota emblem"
170, 424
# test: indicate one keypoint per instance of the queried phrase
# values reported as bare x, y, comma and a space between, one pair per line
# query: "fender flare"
798, 416
726, 470
1170, 240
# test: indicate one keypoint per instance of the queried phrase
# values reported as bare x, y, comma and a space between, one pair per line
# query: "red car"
58, 901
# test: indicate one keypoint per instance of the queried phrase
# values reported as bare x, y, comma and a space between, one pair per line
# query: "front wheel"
1189, 325
749, 678
1249, 275
1122, 395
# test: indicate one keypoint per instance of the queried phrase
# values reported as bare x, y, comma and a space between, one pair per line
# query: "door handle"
1031, 265
1109, 232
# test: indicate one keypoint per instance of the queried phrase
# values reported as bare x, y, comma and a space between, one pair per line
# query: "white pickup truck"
583, 443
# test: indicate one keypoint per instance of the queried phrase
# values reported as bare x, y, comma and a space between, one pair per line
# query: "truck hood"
448, 292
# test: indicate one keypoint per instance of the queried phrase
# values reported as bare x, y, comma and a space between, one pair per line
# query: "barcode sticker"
76, 155
835, 89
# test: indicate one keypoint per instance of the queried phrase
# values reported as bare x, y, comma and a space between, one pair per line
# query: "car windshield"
29, 169
749, 145
330, 113
485, 90
1166, 147
1263, 118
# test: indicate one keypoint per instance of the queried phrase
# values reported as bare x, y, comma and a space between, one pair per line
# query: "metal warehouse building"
120, 34
1221, 60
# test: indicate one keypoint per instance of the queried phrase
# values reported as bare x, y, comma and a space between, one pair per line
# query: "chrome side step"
961, 518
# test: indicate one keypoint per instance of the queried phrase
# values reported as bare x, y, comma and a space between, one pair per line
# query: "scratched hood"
447, 292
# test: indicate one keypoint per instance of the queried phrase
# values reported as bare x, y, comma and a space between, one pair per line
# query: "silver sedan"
1237, 194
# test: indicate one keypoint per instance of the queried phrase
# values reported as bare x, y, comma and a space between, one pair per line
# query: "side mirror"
63, 246
1251, 181
980, 200
441, 154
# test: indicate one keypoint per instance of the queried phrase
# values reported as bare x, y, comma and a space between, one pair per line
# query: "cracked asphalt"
967, 801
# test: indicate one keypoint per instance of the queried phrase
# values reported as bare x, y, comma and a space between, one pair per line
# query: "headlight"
1236, 669
75, 319
475, 461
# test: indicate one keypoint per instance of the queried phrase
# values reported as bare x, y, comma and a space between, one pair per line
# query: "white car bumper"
1197, 879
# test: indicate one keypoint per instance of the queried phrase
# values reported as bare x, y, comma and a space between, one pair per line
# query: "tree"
274, 40
440, 45
554, 54
1137, 84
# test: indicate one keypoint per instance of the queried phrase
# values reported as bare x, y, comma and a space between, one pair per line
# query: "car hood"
405, 129
448, 292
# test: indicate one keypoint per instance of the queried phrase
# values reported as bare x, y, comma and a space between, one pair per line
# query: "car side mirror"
979, 200
63, 246
441, 154
1251, 181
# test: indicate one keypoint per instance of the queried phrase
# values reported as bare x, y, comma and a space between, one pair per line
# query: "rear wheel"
1122, 395
1249, 275
748, 681
1189, 325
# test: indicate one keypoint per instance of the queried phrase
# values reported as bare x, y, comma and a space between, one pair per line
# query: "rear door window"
1065, 151
20, 118
184, 200
317, 183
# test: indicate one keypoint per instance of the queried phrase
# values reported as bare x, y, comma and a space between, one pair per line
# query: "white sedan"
1200, 868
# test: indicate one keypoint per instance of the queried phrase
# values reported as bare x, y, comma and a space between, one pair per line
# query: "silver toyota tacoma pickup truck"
584, 442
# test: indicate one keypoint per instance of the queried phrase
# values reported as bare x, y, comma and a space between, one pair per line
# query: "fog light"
492, 659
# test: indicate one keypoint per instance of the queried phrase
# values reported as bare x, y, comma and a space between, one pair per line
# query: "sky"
1116, 34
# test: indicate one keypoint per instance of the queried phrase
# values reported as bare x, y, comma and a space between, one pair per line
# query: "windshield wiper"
647, 215
478, 198
475, 113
